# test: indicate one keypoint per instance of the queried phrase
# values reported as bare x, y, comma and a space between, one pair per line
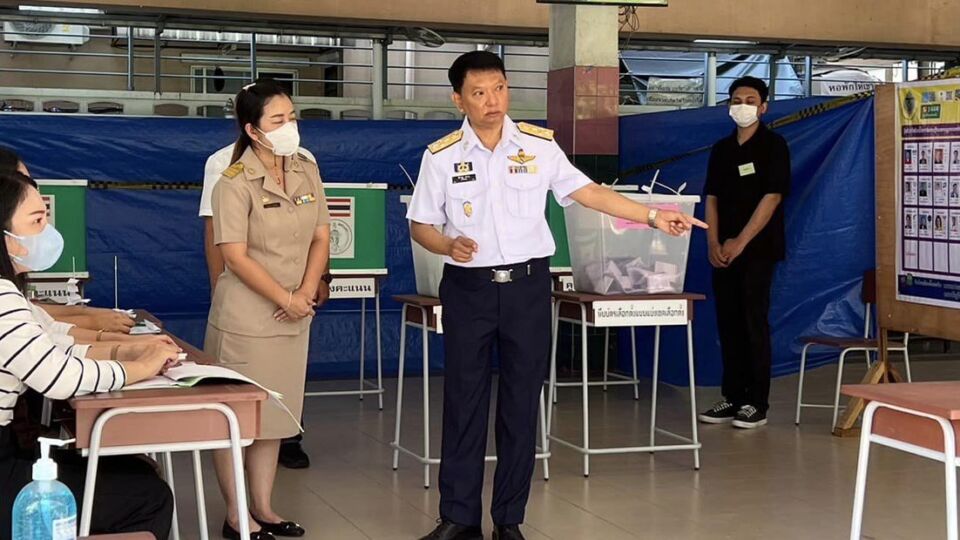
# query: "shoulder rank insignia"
535, 131
446, 142
233, 170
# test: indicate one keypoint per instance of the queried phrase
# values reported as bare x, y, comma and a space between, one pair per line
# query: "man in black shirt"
748, 177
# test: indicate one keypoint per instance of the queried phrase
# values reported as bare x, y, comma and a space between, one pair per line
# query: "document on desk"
189, 374
145, 328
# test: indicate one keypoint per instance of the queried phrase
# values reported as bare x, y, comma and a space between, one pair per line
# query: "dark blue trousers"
478, 313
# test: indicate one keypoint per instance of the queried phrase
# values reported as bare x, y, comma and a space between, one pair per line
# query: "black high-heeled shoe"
284, 528
230, 533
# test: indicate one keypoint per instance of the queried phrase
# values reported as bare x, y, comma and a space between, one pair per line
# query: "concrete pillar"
583, 86
379, 79
710, 80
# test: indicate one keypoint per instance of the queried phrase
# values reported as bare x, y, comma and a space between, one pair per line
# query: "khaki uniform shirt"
277, 227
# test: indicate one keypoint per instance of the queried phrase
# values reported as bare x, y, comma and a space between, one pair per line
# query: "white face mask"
284, 140
43, 249
744, 115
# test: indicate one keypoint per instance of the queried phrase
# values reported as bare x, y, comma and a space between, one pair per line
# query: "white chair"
868, 344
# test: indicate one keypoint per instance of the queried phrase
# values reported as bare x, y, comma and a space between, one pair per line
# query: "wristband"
289, 300
652, 218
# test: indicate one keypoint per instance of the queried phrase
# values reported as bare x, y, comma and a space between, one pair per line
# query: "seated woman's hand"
153, 339
150, 360
133, 352
111, 321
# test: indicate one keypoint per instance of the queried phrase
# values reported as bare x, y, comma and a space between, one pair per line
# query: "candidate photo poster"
928, 193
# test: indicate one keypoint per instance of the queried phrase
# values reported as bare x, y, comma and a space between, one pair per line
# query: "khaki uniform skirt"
277, 362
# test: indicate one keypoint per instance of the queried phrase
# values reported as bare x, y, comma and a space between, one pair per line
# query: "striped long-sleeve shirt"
30, 357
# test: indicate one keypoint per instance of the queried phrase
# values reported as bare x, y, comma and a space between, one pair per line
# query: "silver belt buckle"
502, 276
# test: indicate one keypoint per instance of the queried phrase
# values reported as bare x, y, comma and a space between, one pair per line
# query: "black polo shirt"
739, 176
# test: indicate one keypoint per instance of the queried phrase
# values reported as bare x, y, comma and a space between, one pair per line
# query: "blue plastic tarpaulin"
156, 149
157, 236
829, 225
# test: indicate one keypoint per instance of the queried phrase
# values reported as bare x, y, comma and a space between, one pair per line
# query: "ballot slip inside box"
611, 256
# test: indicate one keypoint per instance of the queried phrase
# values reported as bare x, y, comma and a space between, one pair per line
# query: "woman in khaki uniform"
271, 225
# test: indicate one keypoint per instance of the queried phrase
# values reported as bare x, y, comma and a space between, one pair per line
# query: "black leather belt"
503, 274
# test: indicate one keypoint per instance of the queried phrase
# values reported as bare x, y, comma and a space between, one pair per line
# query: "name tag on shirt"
747, 169
522, 169
272, 205
464, 178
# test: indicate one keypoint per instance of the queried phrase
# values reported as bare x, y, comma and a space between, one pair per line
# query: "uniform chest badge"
522, 169
468, 208
268, 204
521, 157
463, 167
305, 199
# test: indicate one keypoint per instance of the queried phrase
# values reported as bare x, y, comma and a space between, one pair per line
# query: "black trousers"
130, 496
478, 314
742, 297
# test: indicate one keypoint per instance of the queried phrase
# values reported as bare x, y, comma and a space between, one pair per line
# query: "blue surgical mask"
43, 249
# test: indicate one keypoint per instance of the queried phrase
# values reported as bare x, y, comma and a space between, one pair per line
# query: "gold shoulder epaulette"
535, 131
446, 142
233, 170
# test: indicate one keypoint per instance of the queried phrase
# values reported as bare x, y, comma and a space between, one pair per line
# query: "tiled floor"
780, 482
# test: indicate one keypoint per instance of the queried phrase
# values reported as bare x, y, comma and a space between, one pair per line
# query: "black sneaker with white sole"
749, 417
722, 412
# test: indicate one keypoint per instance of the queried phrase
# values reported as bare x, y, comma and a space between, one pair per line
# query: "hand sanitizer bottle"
45, 509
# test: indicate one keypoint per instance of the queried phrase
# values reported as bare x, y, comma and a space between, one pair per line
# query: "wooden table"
625, 311
193, 354
167, 428
918, 418
205, 417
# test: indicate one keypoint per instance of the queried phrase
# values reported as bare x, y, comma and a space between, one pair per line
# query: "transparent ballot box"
610, 255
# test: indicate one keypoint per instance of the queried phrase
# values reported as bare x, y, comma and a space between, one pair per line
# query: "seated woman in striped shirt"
100, 323
130, 496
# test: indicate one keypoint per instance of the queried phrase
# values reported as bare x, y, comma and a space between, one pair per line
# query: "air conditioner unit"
45, 33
